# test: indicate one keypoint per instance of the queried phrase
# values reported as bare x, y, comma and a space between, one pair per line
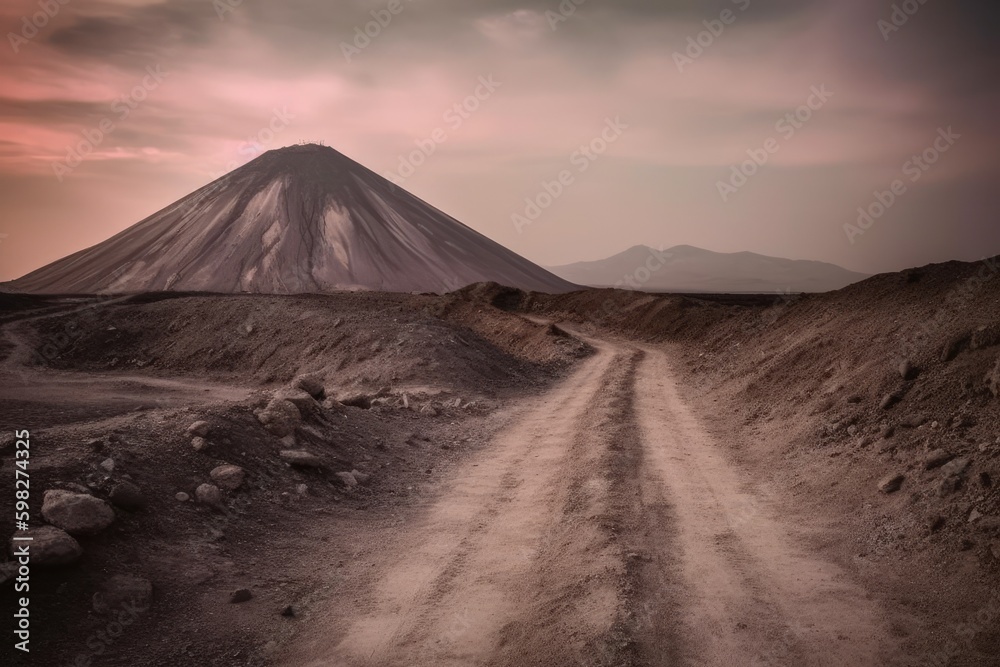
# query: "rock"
312, 385
975, 515
301, 458
954, 347
228, 477
199, 443
852, 430
889, 400
182, 497
361, 477
241, 595
108, 465
349, 480
888, 431
96, 445
280, 417
199, 428
993, 380
288, 612
208, 494
127, 496
49, 546
913, 421
891, 484
907, 370
289, 441
936, 459
356, 400
332, 404
302, 489
76, 513
429, 410
123, 591
955, 468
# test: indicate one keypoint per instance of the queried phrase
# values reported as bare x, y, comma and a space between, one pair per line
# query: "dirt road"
603, 527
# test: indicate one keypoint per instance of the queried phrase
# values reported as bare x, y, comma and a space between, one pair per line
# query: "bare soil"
600, 478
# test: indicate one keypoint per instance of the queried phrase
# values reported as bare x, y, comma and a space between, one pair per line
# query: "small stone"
241, 595
76, 513
123, 591
199, 428
361, 477
302, 489
852, 430
975, 515
288, 612
49, 546
127, 496
228, 477
888, 431
108, 465
208, 494
199, 443
301, 458
348, 479
907, 370
891, 484
182, 497
96, 445
936, 459
889, 400
429, 410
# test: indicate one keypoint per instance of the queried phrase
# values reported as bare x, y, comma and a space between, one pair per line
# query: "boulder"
280, 417
127, 496
121, 592
312, 385
228, 477
76, 513
891, 483
301, 458
49, 546
208, 494
199, 428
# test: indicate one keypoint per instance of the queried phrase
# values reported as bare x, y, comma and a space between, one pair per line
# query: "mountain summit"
297, 219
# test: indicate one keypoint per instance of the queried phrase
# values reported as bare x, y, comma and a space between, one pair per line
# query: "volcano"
294, 220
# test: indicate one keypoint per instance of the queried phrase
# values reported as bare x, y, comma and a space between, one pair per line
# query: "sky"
857, 132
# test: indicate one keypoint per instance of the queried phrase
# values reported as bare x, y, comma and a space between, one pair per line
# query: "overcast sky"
165, 96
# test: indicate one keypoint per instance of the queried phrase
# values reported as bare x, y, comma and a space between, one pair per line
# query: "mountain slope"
689, 269
297, 219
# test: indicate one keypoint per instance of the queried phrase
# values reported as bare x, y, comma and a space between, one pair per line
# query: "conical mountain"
297, 219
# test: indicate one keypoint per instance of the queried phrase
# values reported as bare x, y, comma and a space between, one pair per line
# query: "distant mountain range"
688, 269
296, 219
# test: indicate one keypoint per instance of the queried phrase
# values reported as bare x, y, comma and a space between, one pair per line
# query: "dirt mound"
362, 341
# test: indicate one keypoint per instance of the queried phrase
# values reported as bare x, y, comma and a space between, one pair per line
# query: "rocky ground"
230, 480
